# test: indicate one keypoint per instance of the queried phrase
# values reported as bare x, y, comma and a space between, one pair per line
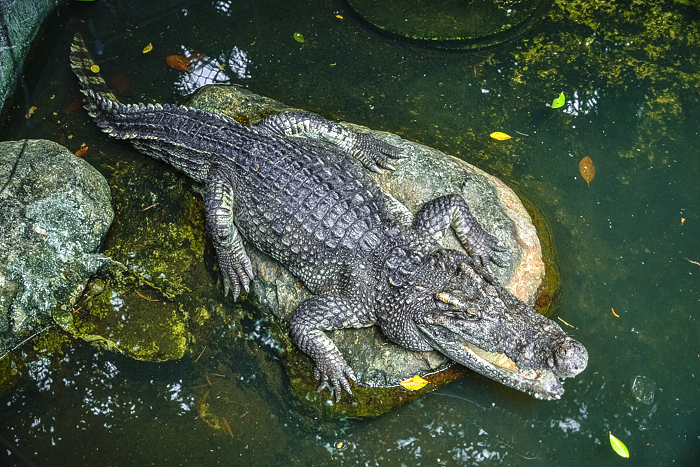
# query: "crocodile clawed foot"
374, 154
484, 252
335, 377
237, 273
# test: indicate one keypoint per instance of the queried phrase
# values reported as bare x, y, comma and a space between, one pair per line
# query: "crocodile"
296, 187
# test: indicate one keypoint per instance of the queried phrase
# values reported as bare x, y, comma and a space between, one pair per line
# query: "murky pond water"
627, 244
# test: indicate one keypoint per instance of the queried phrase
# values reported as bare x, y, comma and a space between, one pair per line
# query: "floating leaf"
618, 446
559, 101
414, 383
339, 16
81, 152
587, 169
181, 62
178, 62
299, 37
95, 68
500, 136
228, 427
148, 48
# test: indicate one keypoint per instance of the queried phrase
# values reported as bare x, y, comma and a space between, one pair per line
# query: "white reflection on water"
568, 425
186, 401
39, 370
210, 70
475, 453
581, 105
223, 7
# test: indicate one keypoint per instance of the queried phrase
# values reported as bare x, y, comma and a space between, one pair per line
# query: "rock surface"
21, 20
425, 175
54, 212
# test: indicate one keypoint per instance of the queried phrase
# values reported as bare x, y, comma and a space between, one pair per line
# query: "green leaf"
559, 101
618, 446
299, 37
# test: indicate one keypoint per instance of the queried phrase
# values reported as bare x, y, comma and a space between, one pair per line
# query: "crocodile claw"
374, 154
336, 376
237, 272
484, 252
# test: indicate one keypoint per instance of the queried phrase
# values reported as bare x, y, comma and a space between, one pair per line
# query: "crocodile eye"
454, 305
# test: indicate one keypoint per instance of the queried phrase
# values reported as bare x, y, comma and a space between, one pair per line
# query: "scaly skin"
294, 186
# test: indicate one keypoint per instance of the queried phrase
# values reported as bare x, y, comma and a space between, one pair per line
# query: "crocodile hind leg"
307, 327
371, 152
436, 216
235, 265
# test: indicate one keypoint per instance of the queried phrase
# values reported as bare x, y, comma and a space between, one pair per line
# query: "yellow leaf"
618, 446
414, 383
339, 16
587, 169
148, 48
500, 136
95, 68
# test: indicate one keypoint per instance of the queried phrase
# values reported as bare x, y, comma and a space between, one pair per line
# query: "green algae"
143, 309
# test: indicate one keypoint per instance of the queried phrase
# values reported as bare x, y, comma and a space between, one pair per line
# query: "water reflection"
233, 65
578, 105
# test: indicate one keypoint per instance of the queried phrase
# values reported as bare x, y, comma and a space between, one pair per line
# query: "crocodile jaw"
540, 383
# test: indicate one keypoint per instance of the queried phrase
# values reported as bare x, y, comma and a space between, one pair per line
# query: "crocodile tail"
88, 74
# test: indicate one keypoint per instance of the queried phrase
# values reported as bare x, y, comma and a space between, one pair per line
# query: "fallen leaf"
500, 136
566, 323
299, 37
618, 446
31, 111
75, 104
228, 427
616, 315
587, 169
148, 48
181, 62
81, 152
121, 82
339, 16
414, 383
559, 101
178, 62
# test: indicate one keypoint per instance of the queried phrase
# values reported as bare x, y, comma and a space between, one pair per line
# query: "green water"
630, 73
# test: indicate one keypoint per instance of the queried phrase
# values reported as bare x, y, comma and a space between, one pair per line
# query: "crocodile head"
455, 307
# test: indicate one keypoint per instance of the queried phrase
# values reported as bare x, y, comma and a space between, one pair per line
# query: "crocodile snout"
569, 358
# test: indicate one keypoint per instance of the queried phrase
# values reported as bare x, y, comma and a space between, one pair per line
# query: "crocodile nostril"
570, 358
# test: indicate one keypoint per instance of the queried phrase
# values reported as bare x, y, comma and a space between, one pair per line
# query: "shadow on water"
627, 244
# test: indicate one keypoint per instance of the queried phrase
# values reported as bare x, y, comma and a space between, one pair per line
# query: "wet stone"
55, 209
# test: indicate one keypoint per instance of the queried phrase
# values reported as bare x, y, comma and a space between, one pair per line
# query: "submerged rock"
144, 310
425, 175
54, 212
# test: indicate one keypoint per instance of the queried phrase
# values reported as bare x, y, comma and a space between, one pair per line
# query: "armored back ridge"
296, 187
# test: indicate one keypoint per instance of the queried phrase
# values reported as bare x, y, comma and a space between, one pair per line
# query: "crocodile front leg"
235, 265
309, 321
371, 152
436, 216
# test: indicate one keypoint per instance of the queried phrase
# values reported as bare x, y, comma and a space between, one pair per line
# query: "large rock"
54, 211
21, 20
426, 174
